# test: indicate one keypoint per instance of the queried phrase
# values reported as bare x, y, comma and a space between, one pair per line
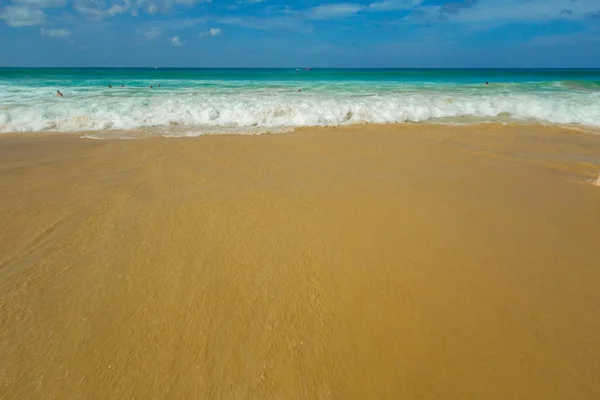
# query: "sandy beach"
361, 262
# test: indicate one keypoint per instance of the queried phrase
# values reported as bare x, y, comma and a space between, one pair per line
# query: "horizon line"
313, 68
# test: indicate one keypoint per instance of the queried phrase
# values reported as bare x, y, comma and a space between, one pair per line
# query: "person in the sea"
122, 85
110, 86
159, 85
150, 86
59, 94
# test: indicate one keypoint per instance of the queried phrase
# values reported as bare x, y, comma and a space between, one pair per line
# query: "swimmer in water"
486, 83
122, 85
150, 86
159, 85
299, 90
59, 94
110, 86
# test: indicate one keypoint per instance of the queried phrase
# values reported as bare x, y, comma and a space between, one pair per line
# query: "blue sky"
315, 33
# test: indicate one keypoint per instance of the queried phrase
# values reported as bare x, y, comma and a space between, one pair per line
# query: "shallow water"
190, 102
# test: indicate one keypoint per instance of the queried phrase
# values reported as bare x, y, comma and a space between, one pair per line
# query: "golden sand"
368, 262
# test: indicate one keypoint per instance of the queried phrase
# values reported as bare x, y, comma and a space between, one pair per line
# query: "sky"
308, 33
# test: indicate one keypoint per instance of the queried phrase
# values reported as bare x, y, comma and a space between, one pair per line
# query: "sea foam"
206, 110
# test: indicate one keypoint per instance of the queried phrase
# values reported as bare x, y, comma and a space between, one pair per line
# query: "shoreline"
583, 138
146, 132
365, 261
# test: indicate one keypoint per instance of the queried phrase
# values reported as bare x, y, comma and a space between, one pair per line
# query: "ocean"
192, 102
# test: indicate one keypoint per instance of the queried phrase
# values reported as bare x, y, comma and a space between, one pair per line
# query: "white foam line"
247, 112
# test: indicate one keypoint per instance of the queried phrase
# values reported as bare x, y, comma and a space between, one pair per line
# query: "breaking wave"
206, 109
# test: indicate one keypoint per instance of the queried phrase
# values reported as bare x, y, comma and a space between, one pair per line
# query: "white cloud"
254, 1
153, 33
115, 9
333, 11
212, 32
515, 10
389, 5
88, 6
99, 14
55, 32
176, 41
41, 3
283, 23
154, 29
17, 16
98, 8
187, 2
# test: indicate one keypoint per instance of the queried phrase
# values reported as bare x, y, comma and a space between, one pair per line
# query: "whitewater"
190, 102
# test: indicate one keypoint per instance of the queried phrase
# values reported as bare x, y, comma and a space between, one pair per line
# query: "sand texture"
366, 262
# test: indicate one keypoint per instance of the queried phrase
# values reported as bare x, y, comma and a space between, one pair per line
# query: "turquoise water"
196, 101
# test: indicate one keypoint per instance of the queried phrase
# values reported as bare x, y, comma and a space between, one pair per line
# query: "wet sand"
384, 262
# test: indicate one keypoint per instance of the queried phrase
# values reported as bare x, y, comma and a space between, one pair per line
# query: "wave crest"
279, 109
